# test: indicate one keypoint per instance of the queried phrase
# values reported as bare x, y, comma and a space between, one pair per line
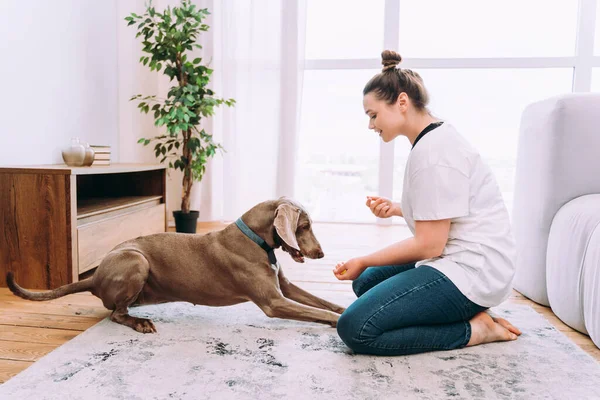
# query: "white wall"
58, 77
133, 78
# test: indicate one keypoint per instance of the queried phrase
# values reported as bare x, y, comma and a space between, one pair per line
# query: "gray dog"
231, 266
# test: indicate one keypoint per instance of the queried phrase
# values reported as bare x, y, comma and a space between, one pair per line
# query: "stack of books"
101, 155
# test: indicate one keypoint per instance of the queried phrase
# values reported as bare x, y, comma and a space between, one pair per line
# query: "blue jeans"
406, 310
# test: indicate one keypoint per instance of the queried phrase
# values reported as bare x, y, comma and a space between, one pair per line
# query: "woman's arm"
429, 242
397, 210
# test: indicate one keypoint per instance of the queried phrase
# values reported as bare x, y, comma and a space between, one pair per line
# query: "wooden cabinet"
58, 222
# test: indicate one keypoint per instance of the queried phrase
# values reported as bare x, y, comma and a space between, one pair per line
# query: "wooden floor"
29, 330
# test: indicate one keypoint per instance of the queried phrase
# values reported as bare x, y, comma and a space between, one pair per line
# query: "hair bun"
390, 59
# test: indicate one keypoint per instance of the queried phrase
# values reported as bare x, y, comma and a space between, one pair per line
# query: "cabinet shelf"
102, 205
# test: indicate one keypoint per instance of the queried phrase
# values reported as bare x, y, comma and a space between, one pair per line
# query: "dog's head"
294, 227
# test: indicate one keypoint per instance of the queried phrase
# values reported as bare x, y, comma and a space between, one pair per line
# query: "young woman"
430, 292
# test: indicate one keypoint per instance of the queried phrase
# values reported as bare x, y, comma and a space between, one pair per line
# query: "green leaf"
197, 60
141, 140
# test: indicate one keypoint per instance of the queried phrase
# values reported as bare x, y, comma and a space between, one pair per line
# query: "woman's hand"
382, 207
349, 270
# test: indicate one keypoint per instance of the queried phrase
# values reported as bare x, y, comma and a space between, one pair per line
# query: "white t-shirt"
446, 178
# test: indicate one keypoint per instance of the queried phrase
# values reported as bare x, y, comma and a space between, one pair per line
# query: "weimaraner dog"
231, 266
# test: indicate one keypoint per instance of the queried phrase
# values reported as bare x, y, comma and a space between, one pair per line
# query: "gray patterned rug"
238, 353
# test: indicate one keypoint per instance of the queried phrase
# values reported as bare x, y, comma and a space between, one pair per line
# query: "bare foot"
485, 330
507, 325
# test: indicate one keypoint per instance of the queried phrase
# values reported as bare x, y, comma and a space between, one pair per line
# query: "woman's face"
386, 119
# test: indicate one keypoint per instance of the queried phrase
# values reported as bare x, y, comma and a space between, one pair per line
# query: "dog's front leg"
293, 292
280, 307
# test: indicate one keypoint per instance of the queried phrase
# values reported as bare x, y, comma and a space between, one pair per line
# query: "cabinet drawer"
97, 238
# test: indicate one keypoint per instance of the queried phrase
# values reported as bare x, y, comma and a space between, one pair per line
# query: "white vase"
74, 155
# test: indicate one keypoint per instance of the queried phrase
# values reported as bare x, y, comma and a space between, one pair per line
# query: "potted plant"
169, 38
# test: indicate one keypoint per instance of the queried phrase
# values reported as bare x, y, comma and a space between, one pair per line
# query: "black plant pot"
186, 223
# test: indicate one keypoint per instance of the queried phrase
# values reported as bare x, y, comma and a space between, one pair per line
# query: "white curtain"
258, 59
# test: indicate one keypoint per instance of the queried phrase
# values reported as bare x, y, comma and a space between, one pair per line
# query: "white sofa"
556, 208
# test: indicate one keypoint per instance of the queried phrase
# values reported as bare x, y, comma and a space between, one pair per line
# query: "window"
344, 29
338, 156
475, 28
482, 63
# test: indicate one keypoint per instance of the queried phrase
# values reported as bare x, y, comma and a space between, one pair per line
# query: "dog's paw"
144, 326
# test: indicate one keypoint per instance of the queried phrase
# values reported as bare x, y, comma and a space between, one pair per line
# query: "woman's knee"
349, 328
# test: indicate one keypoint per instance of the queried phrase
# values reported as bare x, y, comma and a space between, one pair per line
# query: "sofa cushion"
568, 257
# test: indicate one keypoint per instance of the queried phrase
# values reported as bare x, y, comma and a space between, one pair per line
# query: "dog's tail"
74, 287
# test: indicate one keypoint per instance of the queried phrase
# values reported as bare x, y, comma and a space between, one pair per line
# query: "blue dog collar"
257, 239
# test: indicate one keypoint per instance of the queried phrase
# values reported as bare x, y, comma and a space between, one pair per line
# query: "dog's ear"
286, 223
